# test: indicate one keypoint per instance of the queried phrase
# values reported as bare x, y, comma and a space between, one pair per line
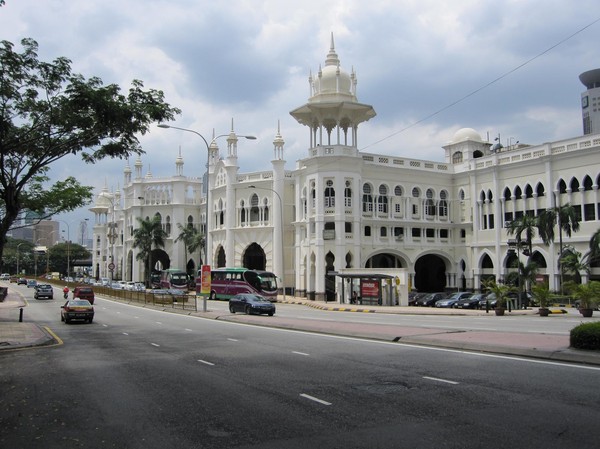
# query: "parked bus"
173, 278
227, 282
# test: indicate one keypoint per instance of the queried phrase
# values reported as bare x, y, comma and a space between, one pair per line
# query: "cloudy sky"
428, 67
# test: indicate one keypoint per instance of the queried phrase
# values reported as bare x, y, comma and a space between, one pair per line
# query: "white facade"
339, 208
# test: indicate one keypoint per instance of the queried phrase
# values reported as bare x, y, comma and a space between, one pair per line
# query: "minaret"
278, 201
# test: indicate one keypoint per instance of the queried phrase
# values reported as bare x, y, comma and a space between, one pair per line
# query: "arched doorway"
430, 274
384, 260
329, 279
254, 257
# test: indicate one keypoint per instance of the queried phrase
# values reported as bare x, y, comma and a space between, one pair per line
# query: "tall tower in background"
590, 101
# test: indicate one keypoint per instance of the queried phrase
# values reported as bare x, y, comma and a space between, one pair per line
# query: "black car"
251, 303
43, 291
430, 299
471, 302
487, 300
21, 281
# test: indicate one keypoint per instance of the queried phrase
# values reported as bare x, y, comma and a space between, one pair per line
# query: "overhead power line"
504, 75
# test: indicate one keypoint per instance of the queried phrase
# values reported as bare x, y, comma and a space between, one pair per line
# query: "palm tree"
523, 228
593, 255
191, 238
149, 235
567, 220
572, 262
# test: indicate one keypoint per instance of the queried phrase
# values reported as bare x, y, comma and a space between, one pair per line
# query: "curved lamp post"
281, 262
164, 125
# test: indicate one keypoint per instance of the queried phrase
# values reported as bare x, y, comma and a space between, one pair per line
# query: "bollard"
20, 314
487, 307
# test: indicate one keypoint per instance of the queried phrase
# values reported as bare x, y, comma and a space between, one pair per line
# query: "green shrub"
586, 336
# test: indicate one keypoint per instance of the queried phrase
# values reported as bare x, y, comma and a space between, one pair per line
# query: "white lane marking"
154, 344
158, 322
125, 333
188, 330
312, 398
206, 363
436, 379
522, 359
300, 353
232, 339
105, 325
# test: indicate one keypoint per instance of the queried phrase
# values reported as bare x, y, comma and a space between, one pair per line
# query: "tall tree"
524, 230
191, 238
593, 255
148, 236
566, 219
61, 255
48, 112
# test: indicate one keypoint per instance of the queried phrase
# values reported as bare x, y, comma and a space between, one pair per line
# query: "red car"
84, 293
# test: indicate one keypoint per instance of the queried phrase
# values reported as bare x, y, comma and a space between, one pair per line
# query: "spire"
332, 57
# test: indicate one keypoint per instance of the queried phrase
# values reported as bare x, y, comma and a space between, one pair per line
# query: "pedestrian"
354, 298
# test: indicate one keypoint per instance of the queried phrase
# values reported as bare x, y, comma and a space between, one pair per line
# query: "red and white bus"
227, 282
174, 278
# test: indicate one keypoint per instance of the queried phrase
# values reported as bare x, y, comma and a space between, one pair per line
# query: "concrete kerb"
496, 343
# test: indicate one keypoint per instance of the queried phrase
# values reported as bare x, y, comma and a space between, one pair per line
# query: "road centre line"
154, 344
390, 343
436, 379
206, 363
125, 333
312, 398
232, 339
188, 330
300, 353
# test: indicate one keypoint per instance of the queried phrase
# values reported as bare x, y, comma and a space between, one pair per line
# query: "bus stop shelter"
383, 287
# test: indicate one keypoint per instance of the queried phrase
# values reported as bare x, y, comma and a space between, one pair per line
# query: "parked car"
77, 309
452, 299
14, 279
250, 303
43, 291
21, 281
31, 283
4, 277
430, 299
413, 297
490, 299
84, 293
470, 302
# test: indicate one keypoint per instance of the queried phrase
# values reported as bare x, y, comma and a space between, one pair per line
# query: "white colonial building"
441, 223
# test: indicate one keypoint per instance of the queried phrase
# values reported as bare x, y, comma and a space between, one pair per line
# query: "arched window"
518, 193
539, 189
587, 183
443, 204
382, 200
574, 185
528, 191
429, 203
254, 212
242, 212
348, 194
562, 186
190, 221
457, 157
367, 202
507, 195
329, 194
398, 191
168, 226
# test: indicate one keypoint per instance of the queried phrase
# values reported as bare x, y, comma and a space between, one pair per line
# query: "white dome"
465, 134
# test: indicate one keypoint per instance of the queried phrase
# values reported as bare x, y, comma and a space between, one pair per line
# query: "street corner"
19, 335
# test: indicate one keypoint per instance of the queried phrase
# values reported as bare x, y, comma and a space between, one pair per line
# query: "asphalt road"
138, 378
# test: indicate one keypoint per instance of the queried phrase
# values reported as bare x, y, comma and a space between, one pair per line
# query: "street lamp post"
164, 125
18, 272
282, 262
68, 247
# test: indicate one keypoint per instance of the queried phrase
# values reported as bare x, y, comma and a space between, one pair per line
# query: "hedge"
586, 336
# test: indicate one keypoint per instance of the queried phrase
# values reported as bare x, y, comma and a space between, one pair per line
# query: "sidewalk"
15, 334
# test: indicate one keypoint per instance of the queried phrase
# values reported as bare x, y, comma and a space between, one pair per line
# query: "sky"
506, 68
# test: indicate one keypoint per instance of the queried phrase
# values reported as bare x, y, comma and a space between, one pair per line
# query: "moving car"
21, 281
31, 283
77, 309
43, 291
84, 293
250, 303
